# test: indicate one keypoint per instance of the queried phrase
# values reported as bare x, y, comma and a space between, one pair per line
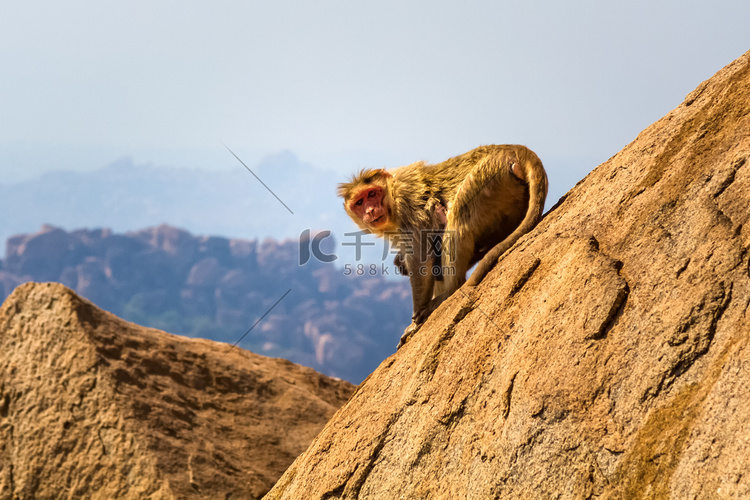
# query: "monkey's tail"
533, 172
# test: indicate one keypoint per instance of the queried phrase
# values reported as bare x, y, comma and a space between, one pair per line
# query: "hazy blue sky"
346, 83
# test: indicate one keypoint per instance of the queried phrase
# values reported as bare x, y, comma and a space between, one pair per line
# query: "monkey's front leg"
422, 285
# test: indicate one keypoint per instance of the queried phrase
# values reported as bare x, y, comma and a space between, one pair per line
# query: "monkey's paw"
425, 313
408, 333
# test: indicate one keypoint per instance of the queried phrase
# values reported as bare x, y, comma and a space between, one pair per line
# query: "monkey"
444, 218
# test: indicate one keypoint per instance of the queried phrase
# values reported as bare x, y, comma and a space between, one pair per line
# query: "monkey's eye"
371, 194
359, 201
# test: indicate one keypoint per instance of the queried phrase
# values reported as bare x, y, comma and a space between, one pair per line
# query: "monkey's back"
441, 180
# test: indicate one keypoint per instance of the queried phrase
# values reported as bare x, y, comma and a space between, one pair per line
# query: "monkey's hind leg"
457, 250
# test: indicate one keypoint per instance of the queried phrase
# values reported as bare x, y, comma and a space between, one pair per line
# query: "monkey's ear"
385, 174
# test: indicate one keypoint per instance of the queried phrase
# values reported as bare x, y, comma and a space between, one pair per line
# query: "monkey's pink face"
368, 205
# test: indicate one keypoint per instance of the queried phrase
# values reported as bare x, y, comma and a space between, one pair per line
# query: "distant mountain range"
221, 289
125, 196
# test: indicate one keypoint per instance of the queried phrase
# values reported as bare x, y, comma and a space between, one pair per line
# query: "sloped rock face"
606, 356
94, 407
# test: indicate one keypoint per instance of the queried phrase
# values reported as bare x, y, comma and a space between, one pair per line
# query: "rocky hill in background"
92, 406
218, 288
607, 355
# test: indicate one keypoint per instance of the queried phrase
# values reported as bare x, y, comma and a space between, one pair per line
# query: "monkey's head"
367, 200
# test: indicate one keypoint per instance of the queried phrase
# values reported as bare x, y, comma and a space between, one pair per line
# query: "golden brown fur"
483, 200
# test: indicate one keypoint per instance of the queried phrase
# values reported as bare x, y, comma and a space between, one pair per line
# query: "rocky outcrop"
94, 407
217, 288
606, 356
